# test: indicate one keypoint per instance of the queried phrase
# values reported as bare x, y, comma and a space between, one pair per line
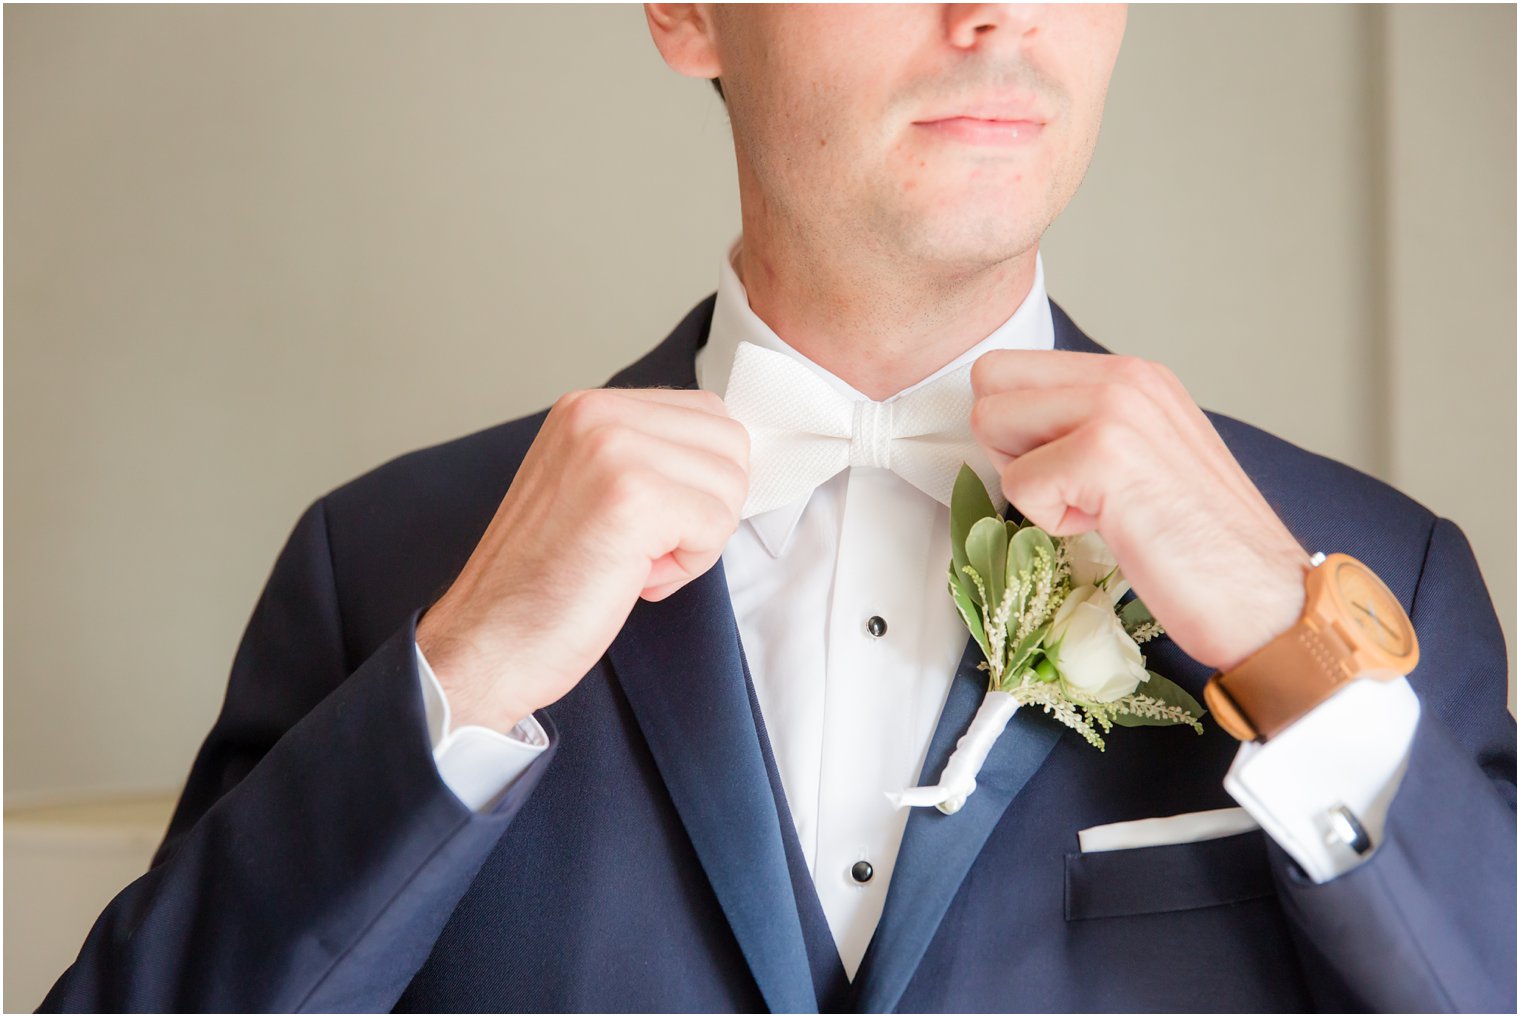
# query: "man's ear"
684, 35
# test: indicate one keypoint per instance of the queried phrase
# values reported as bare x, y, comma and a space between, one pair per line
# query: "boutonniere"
1045, 613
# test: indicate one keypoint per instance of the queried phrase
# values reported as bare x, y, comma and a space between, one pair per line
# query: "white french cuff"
476, 763
1349, 751
959, 777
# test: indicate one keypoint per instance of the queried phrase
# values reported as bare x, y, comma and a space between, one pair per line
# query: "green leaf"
1018, 657
961, 590
1134, 614
1023, 552
1107, 576
987, 548
962, 582
1025, 547
1169, 692
969, 502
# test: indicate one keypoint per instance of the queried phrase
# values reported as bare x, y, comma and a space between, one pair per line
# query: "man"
595, 710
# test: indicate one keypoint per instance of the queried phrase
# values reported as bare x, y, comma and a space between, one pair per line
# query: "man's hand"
1099, 441
624, 493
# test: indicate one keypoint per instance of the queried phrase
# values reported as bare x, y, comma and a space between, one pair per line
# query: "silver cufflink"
1348, 830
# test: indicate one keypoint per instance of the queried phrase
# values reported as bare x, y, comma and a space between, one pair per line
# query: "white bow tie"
803, 431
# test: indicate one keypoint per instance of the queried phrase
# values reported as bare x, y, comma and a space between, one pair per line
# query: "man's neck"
878, 329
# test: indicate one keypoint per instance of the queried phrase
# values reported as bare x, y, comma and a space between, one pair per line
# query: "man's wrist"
464, 674
1351, 625
1284, 599
476, 763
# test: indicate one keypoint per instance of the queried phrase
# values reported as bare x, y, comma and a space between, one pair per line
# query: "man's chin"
972, 248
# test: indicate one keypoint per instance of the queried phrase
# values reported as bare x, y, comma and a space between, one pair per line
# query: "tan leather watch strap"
1278, 683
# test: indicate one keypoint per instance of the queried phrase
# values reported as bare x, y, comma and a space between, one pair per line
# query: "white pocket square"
1184, 828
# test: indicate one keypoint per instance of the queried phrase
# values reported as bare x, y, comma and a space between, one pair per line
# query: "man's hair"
719, 86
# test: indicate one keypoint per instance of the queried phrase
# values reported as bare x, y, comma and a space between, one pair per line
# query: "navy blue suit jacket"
647, 860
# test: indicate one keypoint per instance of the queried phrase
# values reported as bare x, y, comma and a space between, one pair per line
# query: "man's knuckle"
607, 445
1125, 368
741, 442
981, 412
1171, 382
561, 406
735, 480
586, 409
1140, 373
712, 516
979, 370
1121, 400
627, 490
1107, 438
1165, 373
724, 521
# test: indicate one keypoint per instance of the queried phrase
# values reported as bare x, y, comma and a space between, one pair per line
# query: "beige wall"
254, 251
1449, 283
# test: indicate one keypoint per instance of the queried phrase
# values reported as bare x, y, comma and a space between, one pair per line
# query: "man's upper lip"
991, 110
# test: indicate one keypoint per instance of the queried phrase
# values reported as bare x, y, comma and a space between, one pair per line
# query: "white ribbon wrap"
958, 779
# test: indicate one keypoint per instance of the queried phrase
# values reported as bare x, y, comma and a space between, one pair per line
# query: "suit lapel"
1069, 336
938, 851
679, 663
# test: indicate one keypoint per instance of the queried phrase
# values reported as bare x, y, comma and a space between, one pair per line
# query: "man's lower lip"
985, 132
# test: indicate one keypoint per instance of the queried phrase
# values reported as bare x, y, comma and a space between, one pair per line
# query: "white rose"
1092, 652
1091, 560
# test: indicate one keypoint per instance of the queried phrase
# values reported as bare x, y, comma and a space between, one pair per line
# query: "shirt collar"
1029, 328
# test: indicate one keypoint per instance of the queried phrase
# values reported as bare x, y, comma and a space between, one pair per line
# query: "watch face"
1373, 609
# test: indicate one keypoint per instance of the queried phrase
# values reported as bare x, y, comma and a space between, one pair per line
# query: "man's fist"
1098, 441
624, 493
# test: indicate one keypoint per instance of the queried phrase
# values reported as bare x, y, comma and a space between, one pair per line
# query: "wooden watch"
1352, 626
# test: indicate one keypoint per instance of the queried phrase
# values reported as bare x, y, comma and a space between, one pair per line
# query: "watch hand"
1373, 615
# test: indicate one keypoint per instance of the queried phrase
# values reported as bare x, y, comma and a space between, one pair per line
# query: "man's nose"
965, 24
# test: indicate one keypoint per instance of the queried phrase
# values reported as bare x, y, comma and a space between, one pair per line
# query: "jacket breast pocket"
1167, 877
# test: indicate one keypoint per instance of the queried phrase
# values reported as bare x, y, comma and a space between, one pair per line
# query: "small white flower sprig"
1044, 611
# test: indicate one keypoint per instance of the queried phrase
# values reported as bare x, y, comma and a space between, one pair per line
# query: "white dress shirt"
850, 714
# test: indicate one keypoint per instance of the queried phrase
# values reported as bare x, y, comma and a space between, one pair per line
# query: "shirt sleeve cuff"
476, 763
1350, 750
